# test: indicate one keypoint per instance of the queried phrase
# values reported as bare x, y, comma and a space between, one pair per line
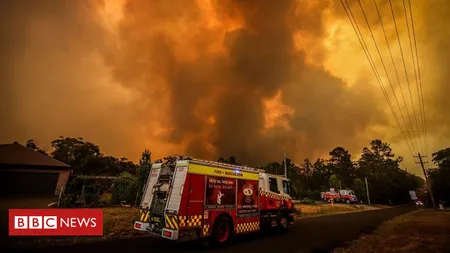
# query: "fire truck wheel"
283, 223
347, 201
222, 231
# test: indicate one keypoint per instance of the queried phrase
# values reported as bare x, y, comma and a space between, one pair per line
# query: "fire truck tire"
283, 223
347, 201
222, 233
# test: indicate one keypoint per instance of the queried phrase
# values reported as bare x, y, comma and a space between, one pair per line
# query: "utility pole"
367, 191
285, 165
430, 191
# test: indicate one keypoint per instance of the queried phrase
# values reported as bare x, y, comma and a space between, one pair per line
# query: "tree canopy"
388, 183
85, 158
440, 176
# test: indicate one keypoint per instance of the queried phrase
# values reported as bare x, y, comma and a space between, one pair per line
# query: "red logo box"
55, 222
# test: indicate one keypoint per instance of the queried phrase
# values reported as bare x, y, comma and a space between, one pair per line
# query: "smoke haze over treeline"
210, 78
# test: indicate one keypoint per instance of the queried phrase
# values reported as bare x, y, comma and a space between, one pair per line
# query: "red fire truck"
347, 196
186, 199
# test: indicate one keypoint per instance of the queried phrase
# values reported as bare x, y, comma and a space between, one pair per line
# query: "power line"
385, 70
422, 133
393, 62
420, 78
374, 69
404, 66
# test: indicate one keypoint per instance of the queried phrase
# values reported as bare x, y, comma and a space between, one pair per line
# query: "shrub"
142, 177
124, 189
75, 197
308, 201
68, 201
314, 195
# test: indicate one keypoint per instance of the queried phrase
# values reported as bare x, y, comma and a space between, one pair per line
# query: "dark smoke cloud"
260, 60
177, 82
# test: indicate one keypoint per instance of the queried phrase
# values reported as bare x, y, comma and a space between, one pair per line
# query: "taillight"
138, 225
167, 233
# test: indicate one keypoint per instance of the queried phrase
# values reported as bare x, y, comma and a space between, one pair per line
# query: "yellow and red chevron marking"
171, 221
205, 230
274, 196
247, 227
190, 221
143, 214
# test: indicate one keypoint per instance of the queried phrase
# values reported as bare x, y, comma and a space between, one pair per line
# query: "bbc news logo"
51, 222
55, 222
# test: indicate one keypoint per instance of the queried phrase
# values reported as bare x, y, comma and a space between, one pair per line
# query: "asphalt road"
318, 234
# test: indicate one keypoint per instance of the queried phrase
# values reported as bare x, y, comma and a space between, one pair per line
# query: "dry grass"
420, 231
117, 223
328, 209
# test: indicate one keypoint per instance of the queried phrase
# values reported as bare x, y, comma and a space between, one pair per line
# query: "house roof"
16, 154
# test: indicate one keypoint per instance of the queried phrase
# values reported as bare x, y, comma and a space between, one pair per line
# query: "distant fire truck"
347, 196
186, 199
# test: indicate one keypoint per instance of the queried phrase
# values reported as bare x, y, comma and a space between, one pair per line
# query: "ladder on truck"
225, 165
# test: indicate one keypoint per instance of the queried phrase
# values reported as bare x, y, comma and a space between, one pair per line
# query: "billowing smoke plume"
258, 59
203, 78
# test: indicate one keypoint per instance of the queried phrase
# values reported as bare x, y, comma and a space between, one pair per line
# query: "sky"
210, 78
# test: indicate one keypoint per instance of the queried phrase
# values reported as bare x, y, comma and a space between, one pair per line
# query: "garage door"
27, 182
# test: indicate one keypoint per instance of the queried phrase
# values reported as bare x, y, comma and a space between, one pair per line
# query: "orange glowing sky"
116, 66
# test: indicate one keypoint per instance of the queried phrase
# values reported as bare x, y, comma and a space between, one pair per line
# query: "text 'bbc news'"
56, 222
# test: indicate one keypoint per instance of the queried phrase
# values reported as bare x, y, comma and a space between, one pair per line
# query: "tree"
359, 188
31, 144
342, 166
388, 183
273, 168
440, 177
76, 152
125, 187
319, 180
85, 157
143, 172
334, 182
230, 160
442, 158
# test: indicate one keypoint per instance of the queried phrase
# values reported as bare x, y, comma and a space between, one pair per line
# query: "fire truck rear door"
148, 190
177, 186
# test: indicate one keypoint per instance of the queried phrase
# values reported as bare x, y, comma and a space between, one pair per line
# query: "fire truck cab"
186, 199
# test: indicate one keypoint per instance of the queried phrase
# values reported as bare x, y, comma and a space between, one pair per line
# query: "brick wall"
62, 181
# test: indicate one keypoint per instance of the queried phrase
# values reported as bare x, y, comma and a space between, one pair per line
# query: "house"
28, 172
